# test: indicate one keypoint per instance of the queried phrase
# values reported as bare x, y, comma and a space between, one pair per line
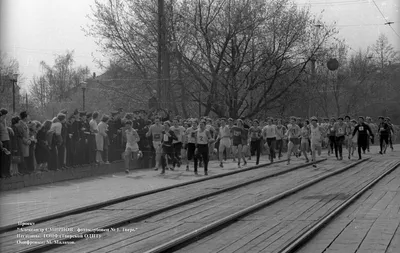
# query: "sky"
36, 30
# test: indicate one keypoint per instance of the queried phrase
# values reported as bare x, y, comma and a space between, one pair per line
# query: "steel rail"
231, 218
129, 197
137, 218
303, 238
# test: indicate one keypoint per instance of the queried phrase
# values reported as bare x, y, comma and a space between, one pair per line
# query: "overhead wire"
387, 22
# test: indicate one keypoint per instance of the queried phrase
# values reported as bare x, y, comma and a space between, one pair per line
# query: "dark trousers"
202, 153
30, 160
71, 153
61, 155
5, 160
362, 144
332, 143
271, 144
53, 161
339, 146
390, 141
279, 147
91, 151
383, 138
177, 152
105, 153
82, 152
255, 149
112, 150
167, 154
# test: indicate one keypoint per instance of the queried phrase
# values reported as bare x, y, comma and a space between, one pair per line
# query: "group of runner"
239, 139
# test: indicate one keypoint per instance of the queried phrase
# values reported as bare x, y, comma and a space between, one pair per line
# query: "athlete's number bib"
382, 129
157, 137
361, 129
341, 131
201, 138
165, 137
237, 133
332, 129
177, 133
193, 134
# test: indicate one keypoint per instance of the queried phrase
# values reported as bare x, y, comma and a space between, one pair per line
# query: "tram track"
301, 239
75, 218
273, 197
190, 236
282, 231
87, 208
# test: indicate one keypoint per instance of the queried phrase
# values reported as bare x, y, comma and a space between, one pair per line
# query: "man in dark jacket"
83, 140
72, 141
114, 126
62, 148
363, 130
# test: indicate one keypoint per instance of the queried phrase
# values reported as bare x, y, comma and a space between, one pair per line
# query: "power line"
387, 22
358, 25
334, 3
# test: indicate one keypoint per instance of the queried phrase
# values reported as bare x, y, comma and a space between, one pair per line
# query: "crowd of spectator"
66, 141
79, 138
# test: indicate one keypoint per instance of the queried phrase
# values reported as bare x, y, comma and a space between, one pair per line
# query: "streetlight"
14, 80
83, 86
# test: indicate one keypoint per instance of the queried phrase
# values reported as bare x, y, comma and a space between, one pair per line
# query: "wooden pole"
13, 89
160, 52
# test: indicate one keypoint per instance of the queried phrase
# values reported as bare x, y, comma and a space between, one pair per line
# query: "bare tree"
246, 54
8, 67
58, 82
383, 52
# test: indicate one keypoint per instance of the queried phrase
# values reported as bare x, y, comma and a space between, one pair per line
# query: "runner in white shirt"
203, 139
316, 139
293, 134
224, 136
269, 134
213, 132
156, 132
132, 147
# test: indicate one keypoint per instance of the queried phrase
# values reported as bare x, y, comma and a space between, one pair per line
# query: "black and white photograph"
200, 126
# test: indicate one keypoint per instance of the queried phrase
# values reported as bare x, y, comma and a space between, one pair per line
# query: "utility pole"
14, 80
310, 102
160, 51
